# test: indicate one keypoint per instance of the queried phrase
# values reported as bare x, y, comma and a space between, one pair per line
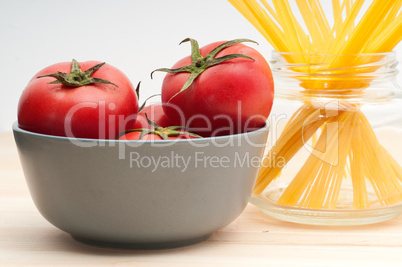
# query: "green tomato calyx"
163, 132
77, 77
137, 92
200, 63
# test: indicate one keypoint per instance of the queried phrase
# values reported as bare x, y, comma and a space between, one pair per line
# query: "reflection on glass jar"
334, 153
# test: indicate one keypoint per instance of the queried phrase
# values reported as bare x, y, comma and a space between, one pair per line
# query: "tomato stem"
137, 92
162, 132
200, 63
77, 77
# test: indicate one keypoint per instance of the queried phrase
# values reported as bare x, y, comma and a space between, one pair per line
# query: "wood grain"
254, 239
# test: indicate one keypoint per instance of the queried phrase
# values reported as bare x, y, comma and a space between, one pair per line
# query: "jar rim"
352, 77
393, 53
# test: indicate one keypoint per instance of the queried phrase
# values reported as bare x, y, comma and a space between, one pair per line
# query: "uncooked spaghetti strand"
395, 165
270, 9
338, 141
299, 31
290, 129
316, 23
377, 167
376, 12
322, 20
318, 38
337, 9
320, 196
312, 190
364, 28
388, 38
360, 196
296, 133
309, 170
340, 148
270, 172
383, 30
317, 194
327, 204
341, 152
372, 172
262, 22
396, 195
287, 21
373, 165
391, 183
346, 27
381, 176
289, 145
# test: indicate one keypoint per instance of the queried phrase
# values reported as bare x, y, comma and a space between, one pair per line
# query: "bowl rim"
16, 128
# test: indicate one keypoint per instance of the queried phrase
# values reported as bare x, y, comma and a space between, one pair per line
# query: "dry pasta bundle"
358, 28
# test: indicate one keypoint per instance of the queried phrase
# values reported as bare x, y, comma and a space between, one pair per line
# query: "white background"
135, 36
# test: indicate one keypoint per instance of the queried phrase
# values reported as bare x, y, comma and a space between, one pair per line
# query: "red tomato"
154, 131
96, 110
156, 113
231, 97
151, 136
136, 136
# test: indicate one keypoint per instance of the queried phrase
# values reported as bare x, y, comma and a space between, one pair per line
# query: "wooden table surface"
253, 239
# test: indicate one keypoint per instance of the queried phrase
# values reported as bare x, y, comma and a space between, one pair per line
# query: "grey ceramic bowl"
140, 194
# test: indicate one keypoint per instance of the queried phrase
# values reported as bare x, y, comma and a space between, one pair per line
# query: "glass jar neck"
359, 77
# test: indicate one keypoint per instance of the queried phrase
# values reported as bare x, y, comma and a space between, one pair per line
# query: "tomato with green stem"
222, 88
63, 100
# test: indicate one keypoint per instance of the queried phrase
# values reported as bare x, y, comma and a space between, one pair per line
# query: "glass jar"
334, 154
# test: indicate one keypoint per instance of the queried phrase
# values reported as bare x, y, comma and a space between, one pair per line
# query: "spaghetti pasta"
377, 29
